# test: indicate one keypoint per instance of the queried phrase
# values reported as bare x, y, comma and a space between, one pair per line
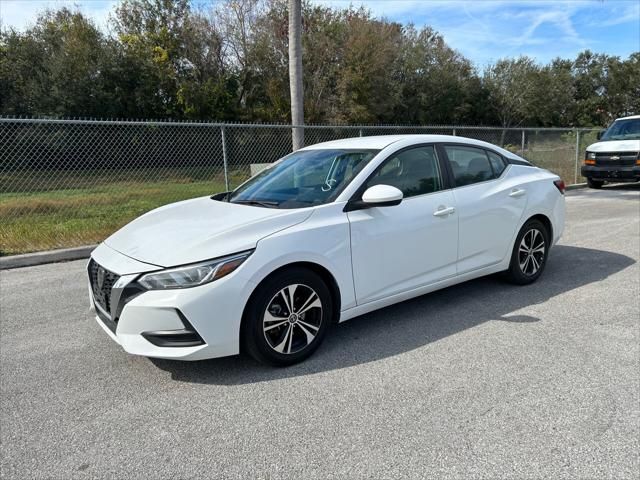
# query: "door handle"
443, 211
517, 192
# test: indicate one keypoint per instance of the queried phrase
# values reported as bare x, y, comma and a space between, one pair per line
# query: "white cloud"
560, 19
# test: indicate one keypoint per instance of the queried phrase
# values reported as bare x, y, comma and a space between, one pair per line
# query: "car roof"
379, 142
632, 117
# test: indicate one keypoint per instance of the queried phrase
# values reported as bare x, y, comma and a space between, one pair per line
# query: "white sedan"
329, 232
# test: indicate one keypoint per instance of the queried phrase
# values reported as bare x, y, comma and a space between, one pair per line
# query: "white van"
616, 155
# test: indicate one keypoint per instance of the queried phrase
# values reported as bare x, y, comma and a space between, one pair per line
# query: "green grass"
82, 216
560, 162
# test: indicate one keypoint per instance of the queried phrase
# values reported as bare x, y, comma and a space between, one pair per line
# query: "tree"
554, 91
170, 62
511, 85
367, 85
235, 22
54, 68
169, 59
590, 80
623, 86
295, 73
438, 85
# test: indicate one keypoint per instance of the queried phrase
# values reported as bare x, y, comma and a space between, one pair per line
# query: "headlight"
193, 275
591, 155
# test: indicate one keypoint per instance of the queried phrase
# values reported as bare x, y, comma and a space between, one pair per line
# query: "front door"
398, 248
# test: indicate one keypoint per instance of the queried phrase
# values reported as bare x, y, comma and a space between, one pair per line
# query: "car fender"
545, 200
322, 239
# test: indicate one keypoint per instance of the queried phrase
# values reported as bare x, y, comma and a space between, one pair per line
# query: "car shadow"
418, 322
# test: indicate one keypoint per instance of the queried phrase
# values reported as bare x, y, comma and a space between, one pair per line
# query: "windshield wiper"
261, 203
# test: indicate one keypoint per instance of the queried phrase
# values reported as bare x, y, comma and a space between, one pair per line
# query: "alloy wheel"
292, 319
531, 252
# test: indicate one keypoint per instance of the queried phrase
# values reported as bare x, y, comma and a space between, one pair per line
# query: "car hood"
615, 146
199, 229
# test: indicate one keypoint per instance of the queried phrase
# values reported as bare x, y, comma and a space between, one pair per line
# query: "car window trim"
444, 179
515, 161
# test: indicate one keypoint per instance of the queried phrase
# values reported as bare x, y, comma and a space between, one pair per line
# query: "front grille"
102, 281
618, 159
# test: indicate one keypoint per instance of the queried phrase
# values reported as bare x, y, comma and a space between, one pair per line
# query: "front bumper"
611, 173
185, 324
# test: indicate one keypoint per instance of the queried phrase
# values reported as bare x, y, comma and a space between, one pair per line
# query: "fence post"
454, 132
522, 147
360, 132
575, 170
224, 158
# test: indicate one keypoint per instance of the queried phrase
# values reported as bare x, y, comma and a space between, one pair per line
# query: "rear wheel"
287, 317
530, 252
594, 183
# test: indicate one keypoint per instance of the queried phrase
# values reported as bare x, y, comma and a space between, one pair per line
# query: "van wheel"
287, 317
594, 183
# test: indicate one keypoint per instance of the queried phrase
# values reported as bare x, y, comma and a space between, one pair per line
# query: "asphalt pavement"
480, 380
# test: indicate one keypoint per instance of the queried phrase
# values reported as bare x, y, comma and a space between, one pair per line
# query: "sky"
482, 30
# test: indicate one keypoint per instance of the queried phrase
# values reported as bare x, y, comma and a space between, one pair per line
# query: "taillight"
560, 186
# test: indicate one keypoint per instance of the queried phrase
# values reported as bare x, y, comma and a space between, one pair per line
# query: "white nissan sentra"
327, 233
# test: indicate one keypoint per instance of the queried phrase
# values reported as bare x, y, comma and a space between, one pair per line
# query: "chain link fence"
67, 183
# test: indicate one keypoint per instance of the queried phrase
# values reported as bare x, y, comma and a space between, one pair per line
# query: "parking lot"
483, 379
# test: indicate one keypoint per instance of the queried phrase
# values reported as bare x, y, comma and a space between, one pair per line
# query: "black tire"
266, 346
591, 183
518, 274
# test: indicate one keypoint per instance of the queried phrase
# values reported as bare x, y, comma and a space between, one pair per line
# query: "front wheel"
529, 255
287, 317
591, 183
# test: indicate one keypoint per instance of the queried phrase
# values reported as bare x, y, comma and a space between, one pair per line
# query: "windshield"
303, 179
623, 130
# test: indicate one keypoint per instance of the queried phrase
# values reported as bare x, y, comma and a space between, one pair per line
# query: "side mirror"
600, 134
382, 196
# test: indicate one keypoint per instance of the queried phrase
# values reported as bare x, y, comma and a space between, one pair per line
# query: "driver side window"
413, 172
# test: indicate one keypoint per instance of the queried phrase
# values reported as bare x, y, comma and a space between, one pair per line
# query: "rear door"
489, 208
397, 248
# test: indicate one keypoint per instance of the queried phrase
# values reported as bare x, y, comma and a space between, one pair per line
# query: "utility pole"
295, 73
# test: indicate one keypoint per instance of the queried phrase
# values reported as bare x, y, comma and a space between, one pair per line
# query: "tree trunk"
295, 73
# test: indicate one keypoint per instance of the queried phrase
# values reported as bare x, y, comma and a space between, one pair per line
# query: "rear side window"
414, 172
497, 163
469, 165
